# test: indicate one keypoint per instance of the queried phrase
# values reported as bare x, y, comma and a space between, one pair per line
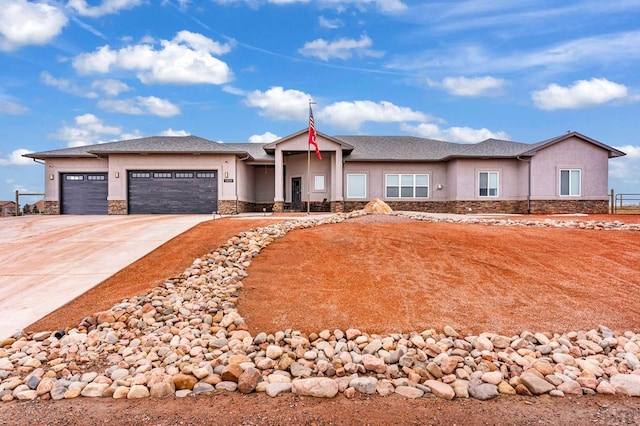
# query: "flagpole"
309, 169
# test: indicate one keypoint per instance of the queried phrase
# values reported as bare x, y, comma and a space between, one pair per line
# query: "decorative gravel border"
187, 337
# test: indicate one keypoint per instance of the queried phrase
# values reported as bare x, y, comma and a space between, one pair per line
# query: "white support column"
336, 176
279, 178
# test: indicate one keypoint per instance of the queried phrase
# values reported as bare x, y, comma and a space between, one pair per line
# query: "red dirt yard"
388, 274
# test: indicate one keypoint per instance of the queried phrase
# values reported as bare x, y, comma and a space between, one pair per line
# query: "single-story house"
7, 208
189, 174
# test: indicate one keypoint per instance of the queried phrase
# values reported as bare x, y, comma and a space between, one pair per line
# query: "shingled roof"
355, 148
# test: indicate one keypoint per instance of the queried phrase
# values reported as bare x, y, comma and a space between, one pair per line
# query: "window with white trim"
487, 184
407, 185
318, 183
357, 185
570, 182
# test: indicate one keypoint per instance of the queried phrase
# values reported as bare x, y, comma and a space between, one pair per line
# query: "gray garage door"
84, 193
172, 192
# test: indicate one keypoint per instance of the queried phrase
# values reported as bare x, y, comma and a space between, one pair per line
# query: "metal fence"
626, 203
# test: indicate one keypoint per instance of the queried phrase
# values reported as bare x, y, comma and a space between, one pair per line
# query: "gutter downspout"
528, 183
235, 186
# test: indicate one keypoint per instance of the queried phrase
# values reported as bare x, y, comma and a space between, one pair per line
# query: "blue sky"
81, 72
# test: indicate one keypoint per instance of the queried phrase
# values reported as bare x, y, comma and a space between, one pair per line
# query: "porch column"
278, 200
336, 176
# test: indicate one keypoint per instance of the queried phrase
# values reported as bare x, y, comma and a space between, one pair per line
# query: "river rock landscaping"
188, 338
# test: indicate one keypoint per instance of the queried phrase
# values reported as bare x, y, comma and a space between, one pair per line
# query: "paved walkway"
47, 261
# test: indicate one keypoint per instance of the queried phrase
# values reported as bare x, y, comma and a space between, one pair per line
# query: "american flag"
312, 134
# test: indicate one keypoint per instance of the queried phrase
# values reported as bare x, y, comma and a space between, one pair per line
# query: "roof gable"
544, 144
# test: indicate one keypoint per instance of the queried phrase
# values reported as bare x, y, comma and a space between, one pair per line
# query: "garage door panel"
84, 193
172, 192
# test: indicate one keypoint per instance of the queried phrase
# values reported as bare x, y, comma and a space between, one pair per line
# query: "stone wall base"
336, 207
231, 207
497, 206
51, 207
570, 206
117, 207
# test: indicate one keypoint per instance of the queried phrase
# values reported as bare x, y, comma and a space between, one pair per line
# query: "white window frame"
413, 186
497, 188
319, 188
571, 172
349, 193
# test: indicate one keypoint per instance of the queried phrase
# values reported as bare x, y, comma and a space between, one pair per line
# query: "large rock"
483, 391
409, 392
94, 390
627, 384
441, 390
377, 206
248, 380
275, 389
366, 385
319, 387
184, 381
535, 384
373, 363
137, 392
163, 389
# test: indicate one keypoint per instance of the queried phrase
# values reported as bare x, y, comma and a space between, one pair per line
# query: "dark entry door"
296, 193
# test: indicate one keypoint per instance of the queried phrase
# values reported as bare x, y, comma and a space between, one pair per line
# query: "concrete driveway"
47, 261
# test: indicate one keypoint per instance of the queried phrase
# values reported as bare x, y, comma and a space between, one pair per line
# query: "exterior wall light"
51, 176
117, 175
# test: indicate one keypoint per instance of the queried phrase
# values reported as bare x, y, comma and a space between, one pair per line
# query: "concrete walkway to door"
47, 261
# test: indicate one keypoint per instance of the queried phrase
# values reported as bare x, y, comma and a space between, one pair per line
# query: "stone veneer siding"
116, 207
495, 206
51, 207
570, 206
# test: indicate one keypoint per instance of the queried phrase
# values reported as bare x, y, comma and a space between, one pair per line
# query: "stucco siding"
572, 153
55, 166
376, 175
264, 184
296, 166
121, 164
509, 179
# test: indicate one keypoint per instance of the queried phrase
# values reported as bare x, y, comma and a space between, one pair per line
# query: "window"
357, 186
162, 175
407, 186
74, 177
206, 174
488, 184
140, 175
318, 183
96, 177
570, 182
184, 175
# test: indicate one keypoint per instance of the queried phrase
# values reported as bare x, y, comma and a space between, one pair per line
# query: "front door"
296, 193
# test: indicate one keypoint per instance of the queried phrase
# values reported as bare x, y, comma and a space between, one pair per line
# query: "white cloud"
463, 86
266, 137
233, 90
626, 169
23, 23
16, 158
351, 115
388, 6
171, 132
10, 106
141, 105
332, 24
294, 105
88, 130
280, 104
105, 8
66, 86
453, 134
343, 48
582, 94
111, 87
187, 59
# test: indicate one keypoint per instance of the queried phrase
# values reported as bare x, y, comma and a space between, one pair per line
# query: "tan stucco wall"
55, 166
512, 175
121, 164
376, 178
572, 153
